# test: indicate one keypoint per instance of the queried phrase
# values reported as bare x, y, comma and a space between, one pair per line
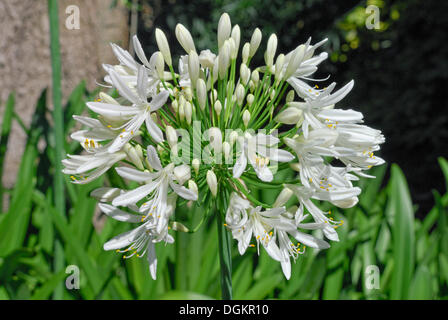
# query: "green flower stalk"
214, 129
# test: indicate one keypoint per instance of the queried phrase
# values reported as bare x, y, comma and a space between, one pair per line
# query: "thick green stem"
58, 131
225, 258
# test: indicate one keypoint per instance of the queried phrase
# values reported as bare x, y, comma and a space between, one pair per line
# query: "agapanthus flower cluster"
211, 132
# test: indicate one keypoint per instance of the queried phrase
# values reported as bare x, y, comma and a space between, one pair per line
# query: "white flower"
270, 228
132, 116
157, 184
142, 239
258, 151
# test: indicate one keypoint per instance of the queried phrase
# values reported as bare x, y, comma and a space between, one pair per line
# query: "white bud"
224, 59
195, 164
270, 50
175, 105
215, 137
171, 135
188, 93
188, 112
107, 98
212, 182
213, 95
164, 48
244, 74
283, 197
255, 42
226, 148
160, 64
233, 137
184, 38
295, 166
245, 52
182, 111
201, 91
272, 96
251, 86
294, 61
255, 76
193, 67
232, 49
290, 96
279, 66
193, 186
250, 99
345, 203
240, 94
290, 115
236, 36
182, 173
133, 156
154, 117
215, 70
218, 107
224, 27
246, 117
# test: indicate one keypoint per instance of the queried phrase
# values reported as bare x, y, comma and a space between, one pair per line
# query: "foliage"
381, 230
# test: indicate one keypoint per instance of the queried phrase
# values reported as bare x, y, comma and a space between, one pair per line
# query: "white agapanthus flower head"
213, 130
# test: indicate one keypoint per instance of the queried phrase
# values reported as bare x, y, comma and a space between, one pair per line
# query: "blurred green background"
400, 224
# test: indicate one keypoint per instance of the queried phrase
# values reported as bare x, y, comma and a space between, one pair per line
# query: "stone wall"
25, 56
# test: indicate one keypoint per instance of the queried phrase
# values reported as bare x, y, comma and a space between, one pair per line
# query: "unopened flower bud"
232, 49
254, 42
279, 66
175, 105
212, 182
246, 117
244, 74
295, 166
245, 52
240, 94
201, 91
215, 137
290, 96
233, 137
184, 38
236, 36
164, 48
224, 28
218, 107
193, 186
160, 64
107, 98
193, 67
171, 135
283, 197
182, 111
295, 61
226, 148
133, 156
250, 99
224, 59
270, 50
195, 164
255, 76
188, 112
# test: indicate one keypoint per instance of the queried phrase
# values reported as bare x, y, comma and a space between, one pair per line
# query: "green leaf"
421, 288
400, 207
47, 289
184, 295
